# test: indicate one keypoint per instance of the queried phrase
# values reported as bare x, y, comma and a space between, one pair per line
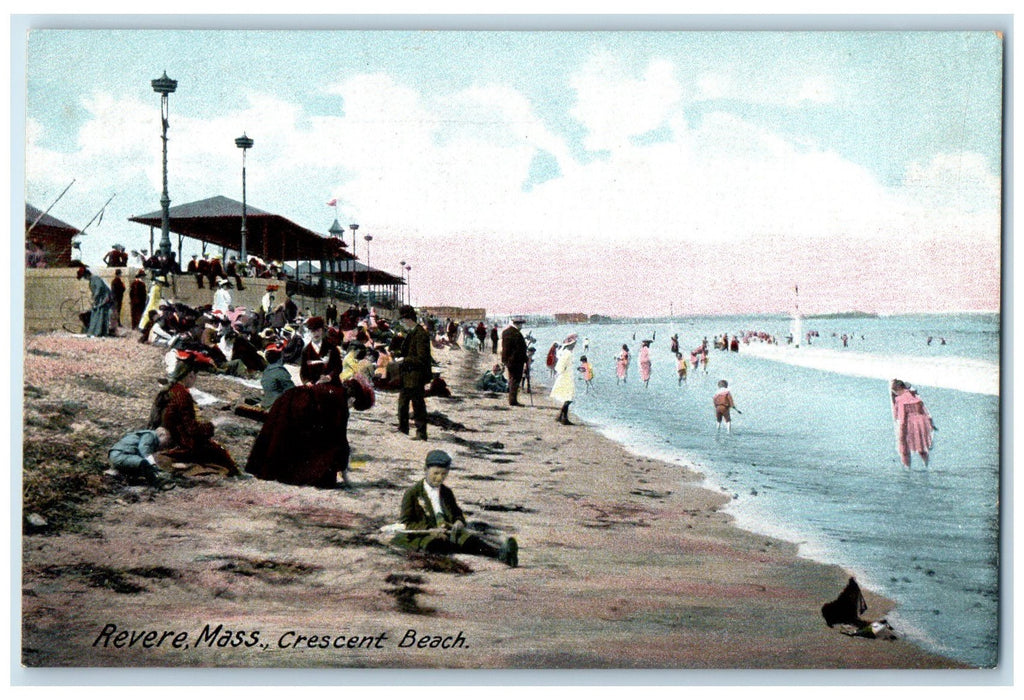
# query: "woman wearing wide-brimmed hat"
564, 388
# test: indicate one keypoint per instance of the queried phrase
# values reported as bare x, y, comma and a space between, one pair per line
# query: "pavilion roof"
364, 276
218, 221
47, 221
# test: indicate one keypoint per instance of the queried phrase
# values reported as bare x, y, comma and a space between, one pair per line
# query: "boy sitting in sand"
433, 522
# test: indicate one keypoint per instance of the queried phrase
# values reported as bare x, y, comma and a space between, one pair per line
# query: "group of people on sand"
303, 438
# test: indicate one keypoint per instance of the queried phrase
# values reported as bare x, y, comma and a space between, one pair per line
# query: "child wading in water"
588, 373
681, 367
723, 402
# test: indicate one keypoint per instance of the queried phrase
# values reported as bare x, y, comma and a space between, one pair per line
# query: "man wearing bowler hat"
415, 369
434, 522
513, 356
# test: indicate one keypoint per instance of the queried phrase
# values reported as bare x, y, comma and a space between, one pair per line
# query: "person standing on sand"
99, 318
433, 522
645, 362
481, 335
723, 402
117, 290
416, 370
564, 388
622, 365
137, 297
513, 356
494, 339
527, 368
156, 295
914, 424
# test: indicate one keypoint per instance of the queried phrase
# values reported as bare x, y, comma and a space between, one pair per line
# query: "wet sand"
625, 561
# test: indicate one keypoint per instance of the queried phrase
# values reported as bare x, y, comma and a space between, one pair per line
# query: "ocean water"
812, 458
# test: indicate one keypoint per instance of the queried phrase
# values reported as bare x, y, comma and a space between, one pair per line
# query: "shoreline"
626, 561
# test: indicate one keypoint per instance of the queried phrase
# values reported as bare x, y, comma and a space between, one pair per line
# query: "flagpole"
48, 208
99, 214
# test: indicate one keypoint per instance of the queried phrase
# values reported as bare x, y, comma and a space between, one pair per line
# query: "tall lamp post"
165, 86
245, 143
401, 272
408, 282
368, 238
338, 231
355, 287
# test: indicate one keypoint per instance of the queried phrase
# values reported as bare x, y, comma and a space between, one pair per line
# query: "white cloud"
754, 86
614, 106
404, 163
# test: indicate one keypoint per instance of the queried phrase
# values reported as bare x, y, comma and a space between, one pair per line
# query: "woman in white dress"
564, 388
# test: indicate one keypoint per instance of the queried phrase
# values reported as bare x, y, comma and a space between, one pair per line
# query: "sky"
625, 173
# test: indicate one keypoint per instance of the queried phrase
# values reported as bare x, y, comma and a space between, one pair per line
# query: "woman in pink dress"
622, 365
645, 361
913, 423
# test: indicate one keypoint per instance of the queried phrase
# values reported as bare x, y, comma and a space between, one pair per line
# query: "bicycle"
74, 313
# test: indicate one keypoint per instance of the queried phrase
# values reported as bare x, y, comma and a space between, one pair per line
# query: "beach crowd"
313, 370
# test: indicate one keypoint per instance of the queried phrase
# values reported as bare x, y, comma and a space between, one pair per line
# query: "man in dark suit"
434, 522
513, 356
137, 294
415, 369
117, 290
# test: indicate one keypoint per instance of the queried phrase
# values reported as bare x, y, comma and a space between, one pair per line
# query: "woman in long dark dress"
304, 440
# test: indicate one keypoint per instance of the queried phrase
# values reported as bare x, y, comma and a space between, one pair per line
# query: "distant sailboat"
796, 326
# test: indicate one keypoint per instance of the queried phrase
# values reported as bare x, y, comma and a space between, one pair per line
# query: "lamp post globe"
164, 86
245, 143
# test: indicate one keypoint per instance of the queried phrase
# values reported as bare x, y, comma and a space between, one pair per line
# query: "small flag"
332, 202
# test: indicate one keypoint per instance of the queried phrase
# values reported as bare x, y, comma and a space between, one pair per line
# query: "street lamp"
337, 231
401, 272
408, 282
368, 238
355, 287
245, 143
165, 86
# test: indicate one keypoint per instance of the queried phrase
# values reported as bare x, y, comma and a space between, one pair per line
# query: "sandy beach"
625, 561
